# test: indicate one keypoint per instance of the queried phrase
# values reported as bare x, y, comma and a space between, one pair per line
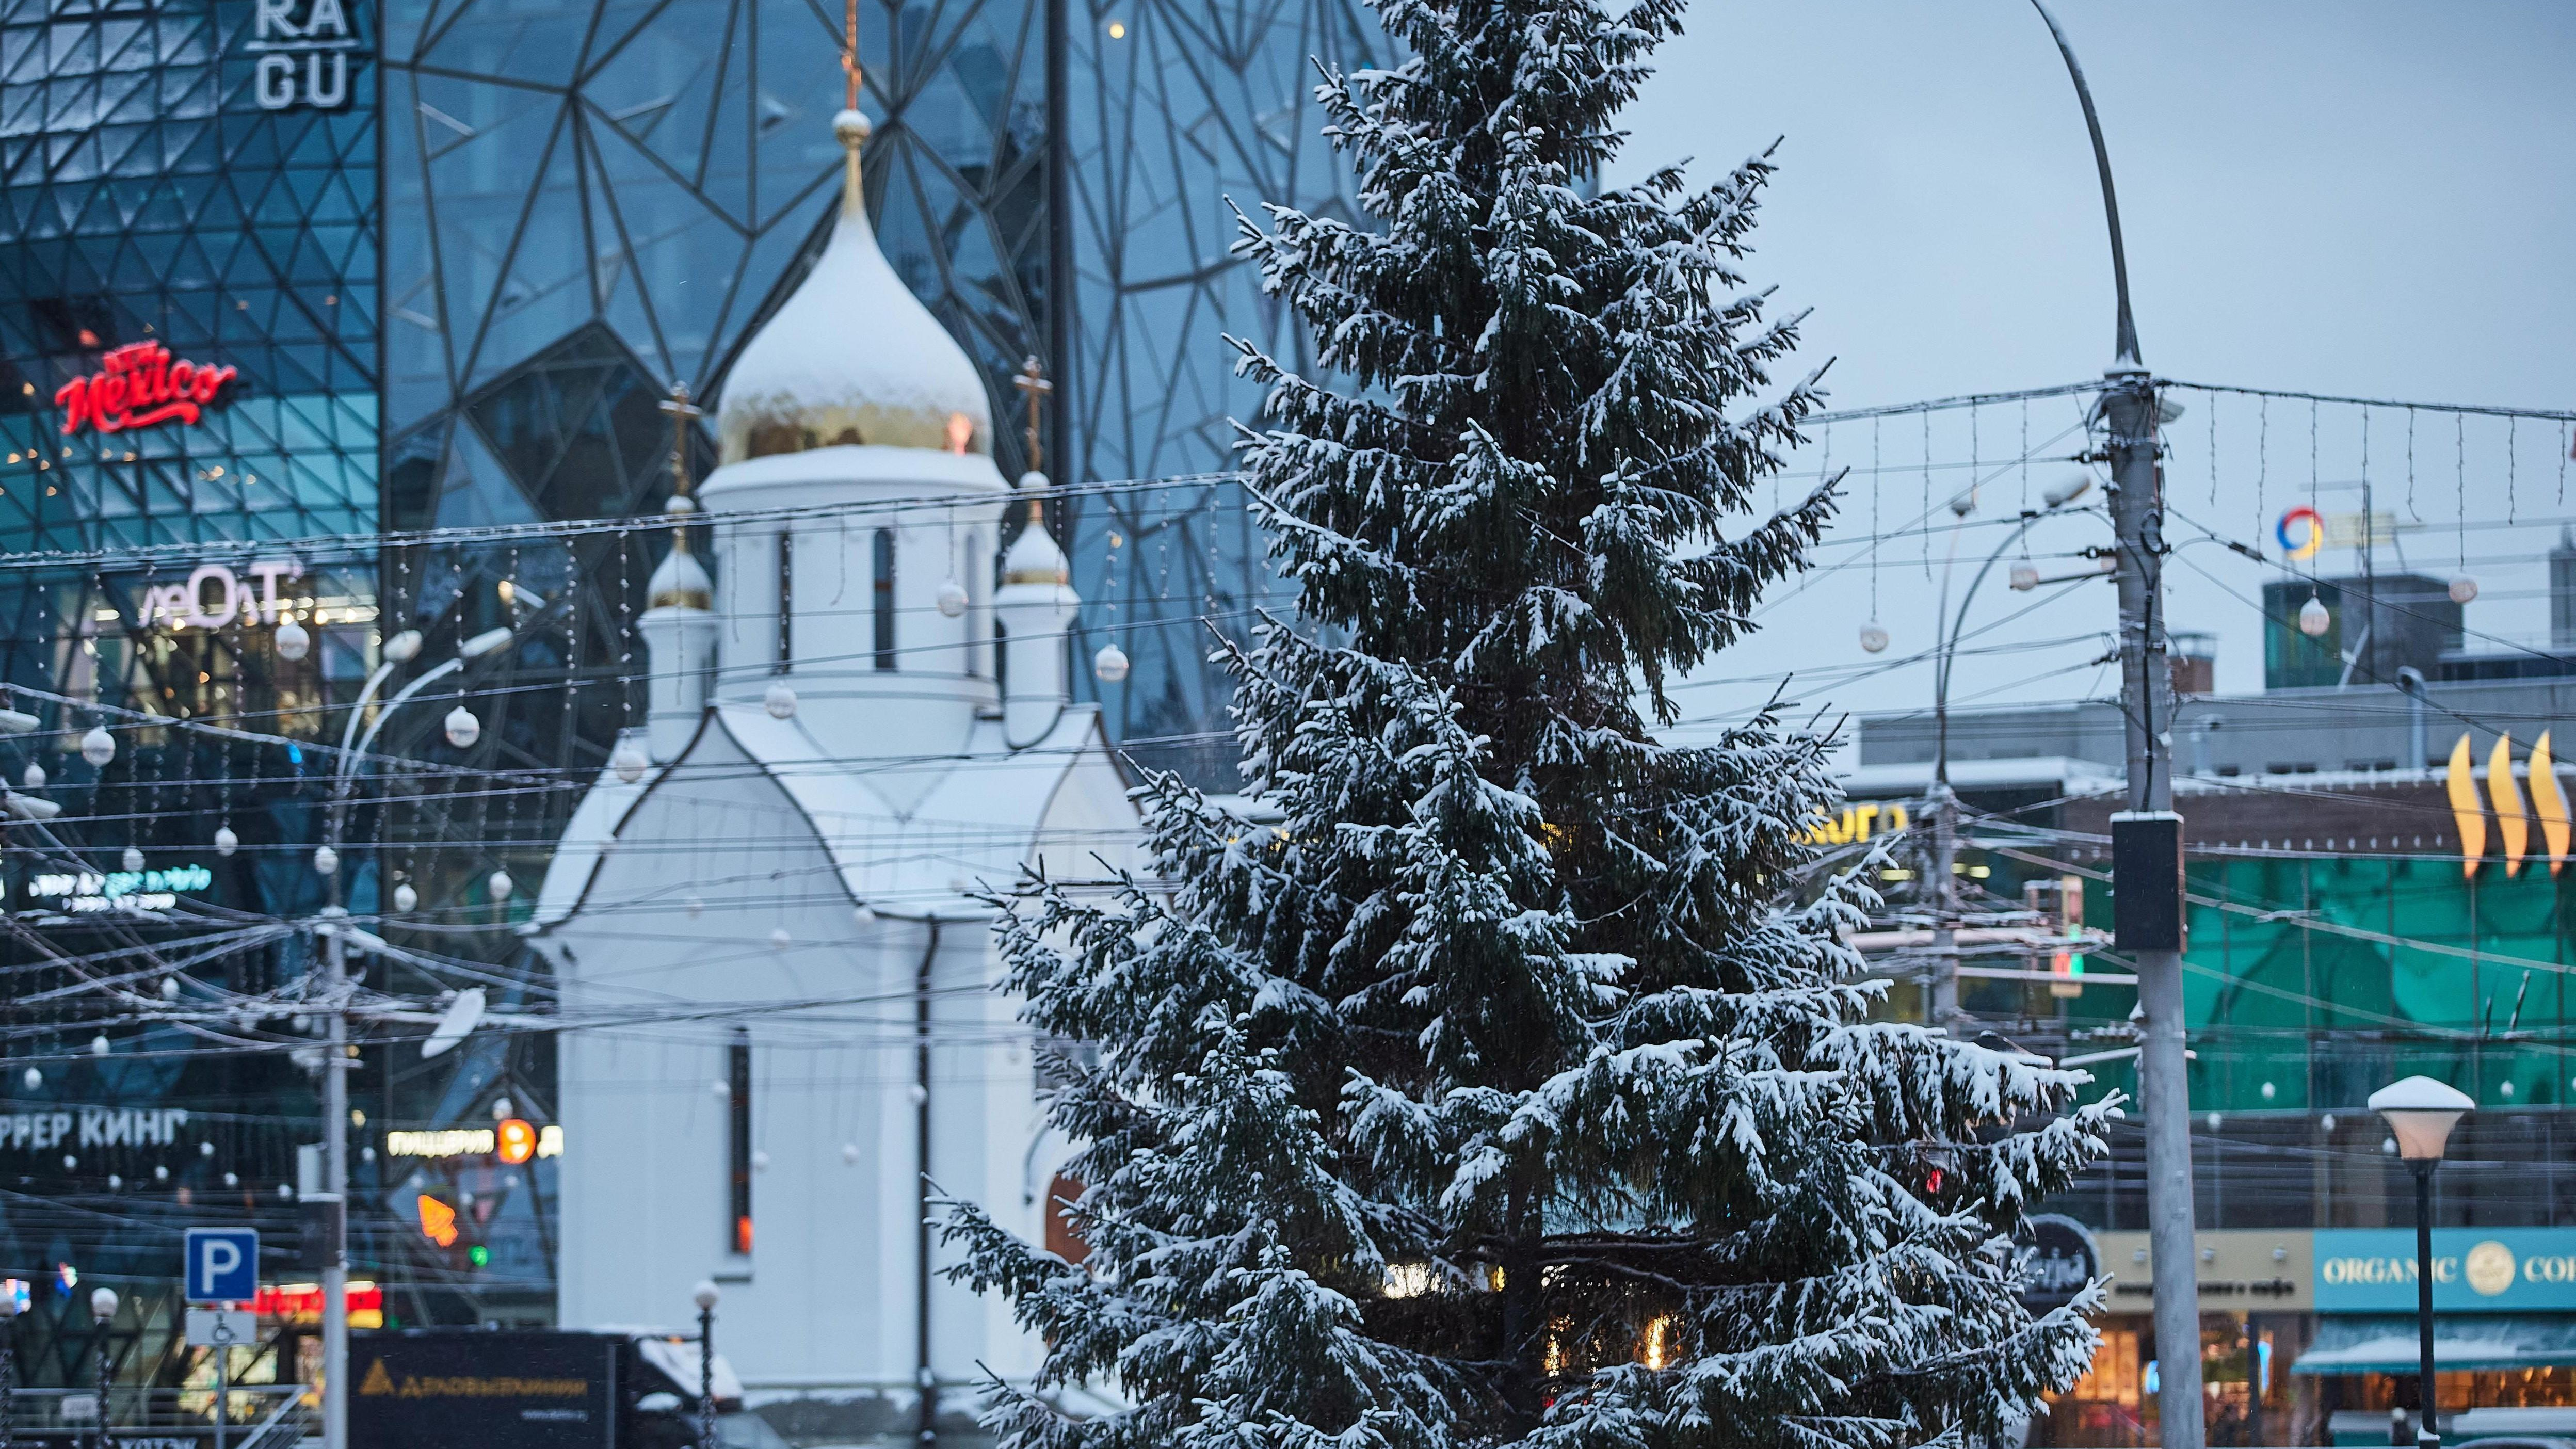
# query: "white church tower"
777, 988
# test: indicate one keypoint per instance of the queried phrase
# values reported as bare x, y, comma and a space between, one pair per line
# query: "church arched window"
884, 598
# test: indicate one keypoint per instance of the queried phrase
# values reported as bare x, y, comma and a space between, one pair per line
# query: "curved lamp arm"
2126, 342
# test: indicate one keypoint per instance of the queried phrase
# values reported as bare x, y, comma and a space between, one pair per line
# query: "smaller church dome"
852, 356
1034, 557
680, 582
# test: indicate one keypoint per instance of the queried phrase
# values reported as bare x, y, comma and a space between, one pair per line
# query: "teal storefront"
2504, 1331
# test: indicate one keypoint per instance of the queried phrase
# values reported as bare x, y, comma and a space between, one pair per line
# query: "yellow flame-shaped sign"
2512, 821
2467, 810
2549, 802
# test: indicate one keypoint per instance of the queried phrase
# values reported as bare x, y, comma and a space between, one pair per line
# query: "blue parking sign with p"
222, 1265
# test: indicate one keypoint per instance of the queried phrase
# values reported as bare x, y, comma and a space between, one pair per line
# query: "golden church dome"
852, 356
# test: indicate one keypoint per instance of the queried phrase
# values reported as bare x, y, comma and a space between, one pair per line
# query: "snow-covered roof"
975, 817
2064, 773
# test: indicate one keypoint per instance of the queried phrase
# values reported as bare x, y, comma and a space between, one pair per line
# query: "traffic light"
2060, 906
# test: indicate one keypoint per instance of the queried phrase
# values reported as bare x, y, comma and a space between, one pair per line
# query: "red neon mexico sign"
136, 386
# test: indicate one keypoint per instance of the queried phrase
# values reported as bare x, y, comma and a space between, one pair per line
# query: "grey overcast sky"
2370, 199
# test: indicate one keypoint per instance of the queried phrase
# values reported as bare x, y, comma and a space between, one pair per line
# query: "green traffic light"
478, 1255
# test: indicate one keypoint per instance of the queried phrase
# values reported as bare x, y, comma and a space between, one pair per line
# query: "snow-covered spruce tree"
1474, 1085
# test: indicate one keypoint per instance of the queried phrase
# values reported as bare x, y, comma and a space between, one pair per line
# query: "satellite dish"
463, 1015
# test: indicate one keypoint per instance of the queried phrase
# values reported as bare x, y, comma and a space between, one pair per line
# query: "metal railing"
258, 1416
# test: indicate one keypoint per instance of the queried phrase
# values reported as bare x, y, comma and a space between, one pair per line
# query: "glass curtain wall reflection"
188, 371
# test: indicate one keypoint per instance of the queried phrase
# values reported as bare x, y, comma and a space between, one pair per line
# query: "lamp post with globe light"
2421, 1113
462, 729
705, 1296
1943, 1006
102, 1309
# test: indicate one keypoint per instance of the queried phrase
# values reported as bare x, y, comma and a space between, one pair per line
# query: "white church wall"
825, 1302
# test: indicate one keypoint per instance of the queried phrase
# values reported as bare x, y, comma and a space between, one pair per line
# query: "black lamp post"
8, 1360
102, 1308
2421, 1113
705, 1296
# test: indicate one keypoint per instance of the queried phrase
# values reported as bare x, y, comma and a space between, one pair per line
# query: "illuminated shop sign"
510, 1140
136, 386
79, 892
2514, 817
190, 605
91, 1127
1859, 822
303, 58
2373, 1270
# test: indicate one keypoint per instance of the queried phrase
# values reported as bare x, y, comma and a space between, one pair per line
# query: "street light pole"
2421, 1113
2164, 1084
705, 1296
1943, 1007
335, 988
102, 1309
8, 1363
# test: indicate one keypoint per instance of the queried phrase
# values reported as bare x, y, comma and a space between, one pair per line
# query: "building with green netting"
2367, 902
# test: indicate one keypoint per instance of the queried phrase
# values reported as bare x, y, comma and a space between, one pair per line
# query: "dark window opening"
1001, 659
786, 601
738, 1145
885, 598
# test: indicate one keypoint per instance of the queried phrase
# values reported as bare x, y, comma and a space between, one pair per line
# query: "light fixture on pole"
2421, 1113
705, 1296
102, 1309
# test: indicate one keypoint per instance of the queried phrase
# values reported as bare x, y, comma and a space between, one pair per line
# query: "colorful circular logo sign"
2312, 538
2490, 1268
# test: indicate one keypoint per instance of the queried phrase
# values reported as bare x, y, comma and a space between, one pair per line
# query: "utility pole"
2152, 895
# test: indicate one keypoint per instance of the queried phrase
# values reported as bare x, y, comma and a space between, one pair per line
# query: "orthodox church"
778, 987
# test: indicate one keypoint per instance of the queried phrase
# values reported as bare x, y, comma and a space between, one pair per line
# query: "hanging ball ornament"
2463, 589
403, 647
500, 885
326, 861
98, 746
629, 763
779, 940
405, 898
132, 861
722, 1090
98, 1046
463, 729
2314, 621
33, 1079
169, 988
779, 700
225, 841
34, 779
952, 597
293, 641
1109, 665
1873, 637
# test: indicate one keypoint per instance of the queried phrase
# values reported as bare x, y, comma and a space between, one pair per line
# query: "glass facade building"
283, 289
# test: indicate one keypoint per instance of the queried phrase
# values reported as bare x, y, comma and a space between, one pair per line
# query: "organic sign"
136, 386
2374, 1270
